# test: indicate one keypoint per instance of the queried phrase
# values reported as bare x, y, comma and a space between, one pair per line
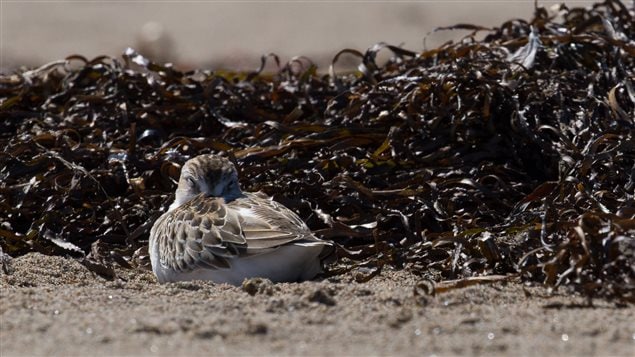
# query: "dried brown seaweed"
508, 156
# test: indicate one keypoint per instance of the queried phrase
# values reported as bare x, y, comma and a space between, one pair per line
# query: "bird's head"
212, 175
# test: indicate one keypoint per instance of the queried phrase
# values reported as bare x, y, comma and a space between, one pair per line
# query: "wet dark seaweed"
508, 156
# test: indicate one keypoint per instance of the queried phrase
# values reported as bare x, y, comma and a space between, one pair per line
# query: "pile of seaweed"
509, 153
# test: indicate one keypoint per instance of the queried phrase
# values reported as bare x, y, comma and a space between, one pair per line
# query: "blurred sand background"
234, 34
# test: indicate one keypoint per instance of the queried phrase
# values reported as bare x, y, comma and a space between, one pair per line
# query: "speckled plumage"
213, 231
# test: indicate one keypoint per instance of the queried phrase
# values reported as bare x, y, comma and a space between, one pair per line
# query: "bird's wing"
205, 232
201, 233
268, 224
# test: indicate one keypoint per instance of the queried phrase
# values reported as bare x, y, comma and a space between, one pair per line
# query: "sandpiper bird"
214, 231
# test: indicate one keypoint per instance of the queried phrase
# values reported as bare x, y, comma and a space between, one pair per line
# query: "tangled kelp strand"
511, 156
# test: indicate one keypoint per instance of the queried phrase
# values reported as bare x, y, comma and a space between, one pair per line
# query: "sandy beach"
55, 306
